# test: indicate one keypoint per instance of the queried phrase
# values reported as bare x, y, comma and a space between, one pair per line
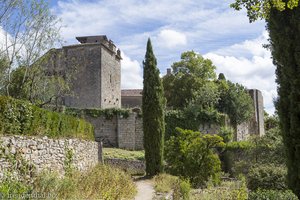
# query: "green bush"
191, 155
267, 176
272, 195
182, 190
22, 118
164, 183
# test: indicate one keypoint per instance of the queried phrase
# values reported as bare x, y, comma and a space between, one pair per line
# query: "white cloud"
131, 73
250, 64
170, 38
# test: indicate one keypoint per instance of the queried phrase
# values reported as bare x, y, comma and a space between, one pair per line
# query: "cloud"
131, 73
250, 64
170, 38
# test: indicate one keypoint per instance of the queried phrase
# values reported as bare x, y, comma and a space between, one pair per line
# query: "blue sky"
208, 27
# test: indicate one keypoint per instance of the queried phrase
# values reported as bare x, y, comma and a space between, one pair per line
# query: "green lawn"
123, 154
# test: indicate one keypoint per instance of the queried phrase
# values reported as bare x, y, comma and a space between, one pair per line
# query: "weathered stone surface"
50, 154
96, 65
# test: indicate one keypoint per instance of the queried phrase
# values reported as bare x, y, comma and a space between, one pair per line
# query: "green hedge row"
22, 118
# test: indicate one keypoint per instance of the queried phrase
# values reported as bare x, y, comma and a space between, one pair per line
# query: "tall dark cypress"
153, 114
284, 32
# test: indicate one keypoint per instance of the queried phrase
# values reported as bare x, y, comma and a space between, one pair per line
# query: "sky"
208, 27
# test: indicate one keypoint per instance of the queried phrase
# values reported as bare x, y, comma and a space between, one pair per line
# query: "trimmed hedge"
22, 118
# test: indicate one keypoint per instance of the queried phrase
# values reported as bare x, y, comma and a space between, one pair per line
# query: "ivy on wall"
188, 119
107, 113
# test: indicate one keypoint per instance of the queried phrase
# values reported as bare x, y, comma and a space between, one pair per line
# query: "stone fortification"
119, 131
48, 154
95, 65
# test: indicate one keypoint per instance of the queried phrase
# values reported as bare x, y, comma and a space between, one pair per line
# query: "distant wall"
118, 131
45, 153
255, 126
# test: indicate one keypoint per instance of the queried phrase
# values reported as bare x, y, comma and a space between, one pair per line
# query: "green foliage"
267, 176
108, 113
228, 190
190, 75
13, 189
226, 133
190, 155
235, 102
272, 195
68, 162
260, 9
100, 182
165, 183
239, 157
282, 17
21, 117
153, 114
190, 118
123, 154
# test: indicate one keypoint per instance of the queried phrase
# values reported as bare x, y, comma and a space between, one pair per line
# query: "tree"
235, 102
30, 29
189, 75
283, 21
153, 105
190, 154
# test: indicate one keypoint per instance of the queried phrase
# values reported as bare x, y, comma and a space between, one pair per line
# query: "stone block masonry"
121, 132
49, 154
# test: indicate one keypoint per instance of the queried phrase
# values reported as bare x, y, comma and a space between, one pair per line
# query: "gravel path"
145, 190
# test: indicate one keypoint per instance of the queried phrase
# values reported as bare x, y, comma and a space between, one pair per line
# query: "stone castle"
97, 84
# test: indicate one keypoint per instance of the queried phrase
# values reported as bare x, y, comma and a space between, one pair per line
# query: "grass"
100, 182
123, 154
228, 190
164, 183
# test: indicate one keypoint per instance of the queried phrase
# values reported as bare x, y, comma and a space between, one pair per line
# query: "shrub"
272, 195
228, 190
164, 183
13, 189
21, 117
190, 155
182, 190
267, 176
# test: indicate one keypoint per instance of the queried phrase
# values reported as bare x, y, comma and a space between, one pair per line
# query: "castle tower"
255, 126
96, 65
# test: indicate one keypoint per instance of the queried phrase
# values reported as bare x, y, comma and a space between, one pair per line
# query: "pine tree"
153, 114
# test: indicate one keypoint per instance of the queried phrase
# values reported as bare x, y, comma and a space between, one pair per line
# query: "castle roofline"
92, 39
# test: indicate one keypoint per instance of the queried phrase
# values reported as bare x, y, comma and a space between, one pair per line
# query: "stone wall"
45, 153
121, 132
110, 79
132, 166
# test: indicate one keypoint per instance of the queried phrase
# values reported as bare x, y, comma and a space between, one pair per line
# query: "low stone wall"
51, 154
132, 166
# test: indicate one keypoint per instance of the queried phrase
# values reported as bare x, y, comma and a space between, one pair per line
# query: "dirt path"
145, 190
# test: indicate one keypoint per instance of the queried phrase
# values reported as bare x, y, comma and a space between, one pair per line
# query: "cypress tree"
284, 32
153, 114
